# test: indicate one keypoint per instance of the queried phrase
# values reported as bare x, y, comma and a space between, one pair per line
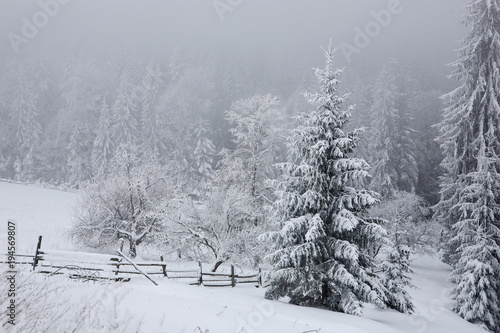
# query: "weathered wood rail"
95, 267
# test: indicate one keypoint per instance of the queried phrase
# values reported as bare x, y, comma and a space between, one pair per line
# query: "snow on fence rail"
94, 267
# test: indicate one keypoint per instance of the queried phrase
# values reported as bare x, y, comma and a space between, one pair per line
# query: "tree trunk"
217, 264
324, 293
133, 249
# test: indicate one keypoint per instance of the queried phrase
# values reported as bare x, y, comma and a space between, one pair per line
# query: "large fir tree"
322, 256
470, 195
477, 272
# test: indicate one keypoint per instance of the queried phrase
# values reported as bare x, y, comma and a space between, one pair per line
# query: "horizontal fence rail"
98, 267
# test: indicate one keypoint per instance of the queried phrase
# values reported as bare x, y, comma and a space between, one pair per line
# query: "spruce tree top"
322, 179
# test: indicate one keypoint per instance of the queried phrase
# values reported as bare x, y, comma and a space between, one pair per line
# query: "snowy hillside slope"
36, 211
175, 307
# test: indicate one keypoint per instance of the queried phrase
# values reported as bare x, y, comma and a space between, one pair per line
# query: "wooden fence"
95, 267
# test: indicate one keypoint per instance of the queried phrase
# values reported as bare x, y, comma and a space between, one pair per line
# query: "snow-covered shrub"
129, 203
409, 222
224, 227
55, 304
258, 144
397, 278
411, 230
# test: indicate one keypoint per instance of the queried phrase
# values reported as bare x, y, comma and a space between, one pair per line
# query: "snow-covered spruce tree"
470, 188
477, 272
397, 278
80, 90
426, 107
102, 147
152, 141
186, 104
203, 155
392, 153
78, 159
476, 294
24, 114
322, 256
124, 112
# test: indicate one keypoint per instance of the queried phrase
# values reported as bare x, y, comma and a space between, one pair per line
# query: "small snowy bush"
55, 304
409, 222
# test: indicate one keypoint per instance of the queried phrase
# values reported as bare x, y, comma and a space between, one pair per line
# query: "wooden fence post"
163, 267
116, 262
38, 247
201, 274
233, 279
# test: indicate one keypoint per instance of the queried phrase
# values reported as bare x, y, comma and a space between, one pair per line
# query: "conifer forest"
331, 146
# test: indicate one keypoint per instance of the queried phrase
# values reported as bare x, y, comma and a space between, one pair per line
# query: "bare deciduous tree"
130, 203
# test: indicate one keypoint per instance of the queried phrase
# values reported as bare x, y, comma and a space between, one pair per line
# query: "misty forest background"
223, 145
54, 92
62, 123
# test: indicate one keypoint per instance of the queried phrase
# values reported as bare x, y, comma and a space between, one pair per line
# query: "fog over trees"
168, 71
213, 130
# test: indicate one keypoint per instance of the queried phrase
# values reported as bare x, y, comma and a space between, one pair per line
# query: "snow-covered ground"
176, 307
36, 211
